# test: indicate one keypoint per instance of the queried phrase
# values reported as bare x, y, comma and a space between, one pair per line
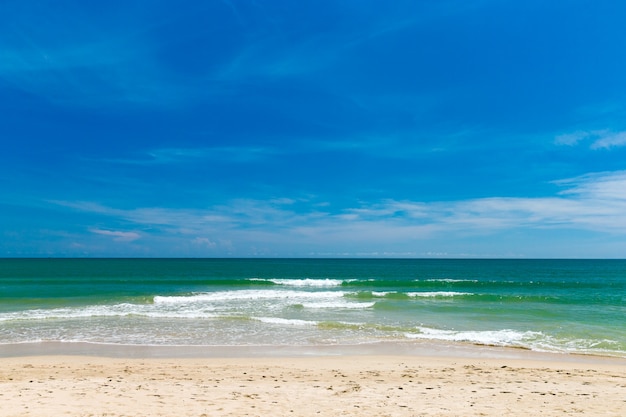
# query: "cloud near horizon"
117, 235
594, 202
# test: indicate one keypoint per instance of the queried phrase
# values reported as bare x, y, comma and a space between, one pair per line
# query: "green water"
554, 305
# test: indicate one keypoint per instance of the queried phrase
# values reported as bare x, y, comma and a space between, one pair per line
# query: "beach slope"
309, 386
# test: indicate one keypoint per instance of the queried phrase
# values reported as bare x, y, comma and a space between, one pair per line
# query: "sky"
343, 128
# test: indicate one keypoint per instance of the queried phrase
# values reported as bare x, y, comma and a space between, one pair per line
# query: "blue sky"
449, 128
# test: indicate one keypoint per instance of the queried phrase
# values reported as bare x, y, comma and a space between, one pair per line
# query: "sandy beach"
344, 385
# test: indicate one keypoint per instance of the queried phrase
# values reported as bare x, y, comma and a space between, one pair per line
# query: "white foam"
246, 295
421, 293
550, 343
204, 305
308, 282
81, 312
436, 294
288, 322
117, 310
505, 337
338, 305
264, 300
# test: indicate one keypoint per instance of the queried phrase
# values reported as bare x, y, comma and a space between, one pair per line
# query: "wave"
117, 310
437, 294
283, 321
286, 295
251, 295
395, 295
571, 289
141, 324
532, 340
506, 337
304, 282
459, 296
304, 299
202, 305
339, 305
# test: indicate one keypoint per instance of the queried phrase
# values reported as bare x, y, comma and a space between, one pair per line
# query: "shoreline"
393, 348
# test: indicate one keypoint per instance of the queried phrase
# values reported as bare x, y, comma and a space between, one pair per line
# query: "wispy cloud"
249, 153
610, 140
203, 241
572, 138
117, 235
81, 59
86, 71
594, 202
186, 155
600, 139
238, 214
604, 187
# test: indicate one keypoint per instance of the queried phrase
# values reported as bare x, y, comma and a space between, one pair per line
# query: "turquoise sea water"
574, 306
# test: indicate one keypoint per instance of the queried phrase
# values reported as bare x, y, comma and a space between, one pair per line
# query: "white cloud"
117, 235
601, 139
173, 156
604, 186
571, 138
610, 140
203, 241
593, 203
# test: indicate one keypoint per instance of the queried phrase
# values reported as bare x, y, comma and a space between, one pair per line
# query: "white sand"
309, 386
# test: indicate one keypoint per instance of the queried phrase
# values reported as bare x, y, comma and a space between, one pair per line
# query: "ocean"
562, 306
